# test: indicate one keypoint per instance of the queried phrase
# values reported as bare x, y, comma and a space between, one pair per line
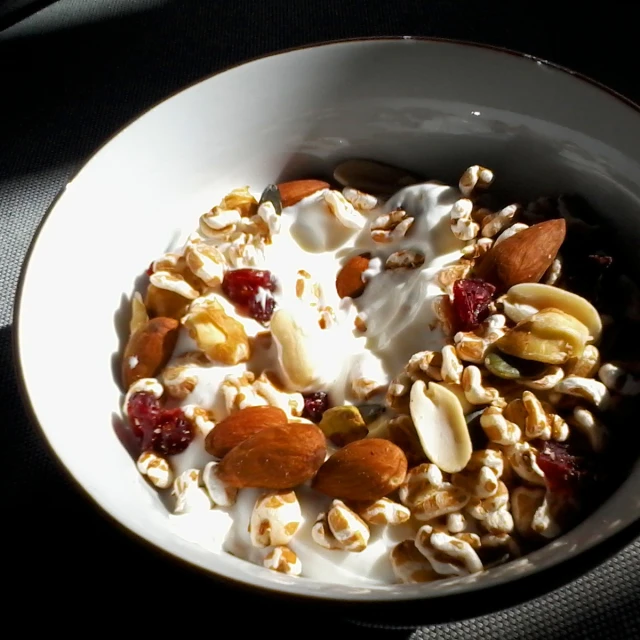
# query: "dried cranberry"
250, 289
315, 404
149, 270
262, 308
172, 434
166, 431
143, 410
242, 286
471, 298
563, 468
602, 260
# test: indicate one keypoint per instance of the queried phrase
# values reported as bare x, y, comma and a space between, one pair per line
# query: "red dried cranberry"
143, 409
242, 286
315, 404
563, 469
250, 289
262, 308
166, 431
471, 298
172, 433
149, 270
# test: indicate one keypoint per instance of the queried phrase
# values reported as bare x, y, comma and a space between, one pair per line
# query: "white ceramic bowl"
432, 106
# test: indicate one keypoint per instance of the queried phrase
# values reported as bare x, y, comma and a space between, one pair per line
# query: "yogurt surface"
311, 247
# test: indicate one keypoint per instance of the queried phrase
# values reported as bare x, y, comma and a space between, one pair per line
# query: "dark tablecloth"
73, 74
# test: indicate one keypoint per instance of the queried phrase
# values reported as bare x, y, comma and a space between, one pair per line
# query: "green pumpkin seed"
371, 412
272, 194
512, 368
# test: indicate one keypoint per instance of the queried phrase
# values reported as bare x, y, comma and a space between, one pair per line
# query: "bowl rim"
387, 613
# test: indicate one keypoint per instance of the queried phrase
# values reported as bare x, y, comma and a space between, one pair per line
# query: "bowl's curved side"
432, 105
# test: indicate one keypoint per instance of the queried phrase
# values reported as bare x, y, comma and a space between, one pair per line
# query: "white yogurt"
398, 308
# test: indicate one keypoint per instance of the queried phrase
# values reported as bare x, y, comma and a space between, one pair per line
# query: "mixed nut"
482, 449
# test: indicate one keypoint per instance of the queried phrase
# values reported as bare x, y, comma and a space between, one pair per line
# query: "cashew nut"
587, 389
592, 428
547, 381
586, 365
617, 379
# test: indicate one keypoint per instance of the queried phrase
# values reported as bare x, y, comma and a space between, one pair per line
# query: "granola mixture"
383, 379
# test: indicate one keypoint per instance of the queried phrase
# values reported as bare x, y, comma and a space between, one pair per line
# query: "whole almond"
275, 458
148, 350
241, 425
373, 177
525, 256
294, 191
349, 281
363, 470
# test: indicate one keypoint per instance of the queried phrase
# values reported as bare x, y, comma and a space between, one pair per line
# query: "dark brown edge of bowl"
376, 613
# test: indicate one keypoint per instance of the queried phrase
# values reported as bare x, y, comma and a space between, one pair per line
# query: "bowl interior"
434, 107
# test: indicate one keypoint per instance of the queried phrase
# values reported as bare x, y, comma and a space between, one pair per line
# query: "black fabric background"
76, 72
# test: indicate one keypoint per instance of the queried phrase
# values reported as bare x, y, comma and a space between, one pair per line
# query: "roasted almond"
239, 426
294, 191
275, 458
373, 177
525, 256
149, 349
363, 470
349, 281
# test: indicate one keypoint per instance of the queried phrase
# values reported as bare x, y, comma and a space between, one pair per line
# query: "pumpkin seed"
513, 368
272, 194
371, 412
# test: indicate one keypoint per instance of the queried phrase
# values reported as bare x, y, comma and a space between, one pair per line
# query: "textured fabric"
76, 72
